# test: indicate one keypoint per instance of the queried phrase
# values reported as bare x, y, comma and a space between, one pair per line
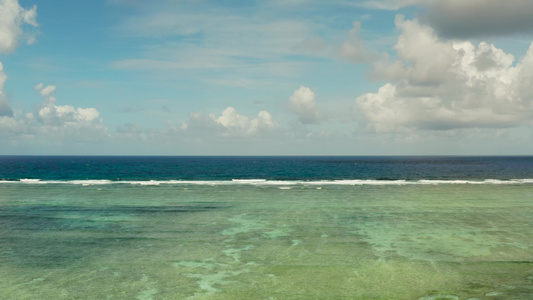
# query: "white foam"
318, 184
525, 180
448, 182
249, 180
89, 182
496, 181
281, 182
486, 181
371, 182
149, 182
31, 181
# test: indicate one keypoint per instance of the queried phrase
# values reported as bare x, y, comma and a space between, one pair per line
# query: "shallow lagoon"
179, 241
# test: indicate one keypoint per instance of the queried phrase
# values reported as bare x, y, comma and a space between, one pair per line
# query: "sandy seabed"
424, 242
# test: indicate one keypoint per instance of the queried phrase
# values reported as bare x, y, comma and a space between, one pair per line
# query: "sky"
278, 77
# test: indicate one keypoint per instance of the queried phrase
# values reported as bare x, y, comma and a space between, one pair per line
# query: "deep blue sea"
306, 168
381, 228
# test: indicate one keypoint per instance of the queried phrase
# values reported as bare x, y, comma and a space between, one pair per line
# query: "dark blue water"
271, 168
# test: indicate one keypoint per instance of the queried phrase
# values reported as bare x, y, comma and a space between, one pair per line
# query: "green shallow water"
248, 242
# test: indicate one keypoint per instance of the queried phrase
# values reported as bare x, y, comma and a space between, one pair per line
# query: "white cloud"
15, 126
12, 18
47, 93
52, 124
230, 124
437, 84
64, 115
302, 103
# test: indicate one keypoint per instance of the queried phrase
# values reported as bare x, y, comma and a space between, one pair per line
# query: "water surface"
183, 232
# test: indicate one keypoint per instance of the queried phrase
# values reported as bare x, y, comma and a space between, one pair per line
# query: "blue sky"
293, 77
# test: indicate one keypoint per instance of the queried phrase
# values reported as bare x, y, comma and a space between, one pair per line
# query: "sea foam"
266, 182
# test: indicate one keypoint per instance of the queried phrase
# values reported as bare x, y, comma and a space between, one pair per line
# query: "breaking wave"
265, 182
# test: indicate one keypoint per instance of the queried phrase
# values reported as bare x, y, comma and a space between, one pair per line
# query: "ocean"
108, 227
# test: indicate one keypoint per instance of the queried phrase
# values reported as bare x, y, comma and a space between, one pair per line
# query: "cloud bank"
51, 123
461, 19
440, 84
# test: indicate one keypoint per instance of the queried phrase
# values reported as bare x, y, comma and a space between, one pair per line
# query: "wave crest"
266, 182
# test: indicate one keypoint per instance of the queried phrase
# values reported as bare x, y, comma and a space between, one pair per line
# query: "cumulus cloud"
51, 123
442, 84
302, 103
64, 115
12, 18
478, 18
15, 126
230, 123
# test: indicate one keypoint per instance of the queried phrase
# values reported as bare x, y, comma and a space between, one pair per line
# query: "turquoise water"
291, 240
